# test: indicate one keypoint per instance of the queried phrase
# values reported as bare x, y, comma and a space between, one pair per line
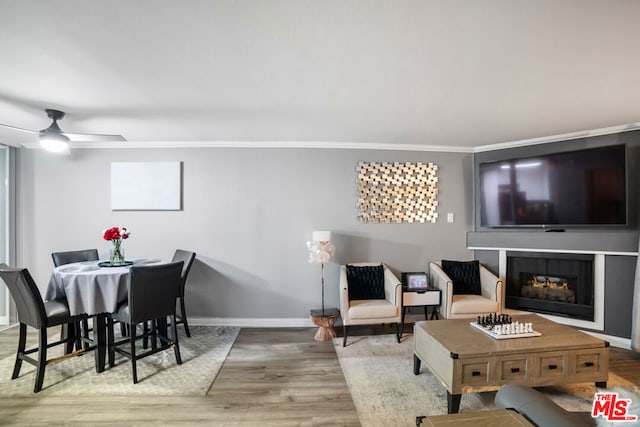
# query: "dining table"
94, 288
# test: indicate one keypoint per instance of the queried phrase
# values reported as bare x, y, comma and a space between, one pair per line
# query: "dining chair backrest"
62, 258
153, 291
188, 257
26, 295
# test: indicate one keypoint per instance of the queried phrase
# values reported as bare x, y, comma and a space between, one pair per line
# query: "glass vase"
116, 254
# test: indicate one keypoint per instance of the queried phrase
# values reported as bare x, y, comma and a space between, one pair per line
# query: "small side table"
324, 321
430, 297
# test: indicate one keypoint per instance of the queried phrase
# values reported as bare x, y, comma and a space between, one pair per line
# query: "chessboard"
489, 330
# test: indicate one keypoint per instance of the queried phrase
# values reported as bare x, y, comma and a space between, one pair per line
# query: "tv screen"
576, 188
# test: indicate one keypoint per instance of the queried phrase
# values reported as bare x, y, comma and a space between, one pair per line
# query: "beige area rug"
379, 373
158, 375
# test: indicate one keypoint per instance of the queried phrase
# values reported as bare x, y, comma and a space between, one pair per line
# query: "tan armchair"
468, 305
371, 311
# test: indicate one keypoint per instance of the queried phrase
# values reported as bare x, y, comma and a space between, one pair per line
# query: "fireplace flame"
547, 283
548, 288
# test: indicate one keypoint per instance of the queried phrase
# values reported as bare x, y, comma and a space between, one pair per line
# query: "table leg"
100, 332
453, 403
70, 334
404, 309
163, 328
416, 365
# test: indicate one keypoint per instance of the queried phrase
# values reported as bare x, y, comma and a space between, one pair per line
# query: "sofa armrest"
491, 286
392, 287
440, 280
344, 292
537, 407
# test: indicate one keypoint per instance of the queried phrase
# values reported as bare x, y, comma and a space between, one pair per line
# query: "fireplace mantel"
614, 242
598, 243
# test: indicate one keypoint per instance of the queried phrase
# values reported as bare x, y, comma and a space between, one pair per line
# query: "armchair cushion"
465, 276
365, 282
372, 309
470, 304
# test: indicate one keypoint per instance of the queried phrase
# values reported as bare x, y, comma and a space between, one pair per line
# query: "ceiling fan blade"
19, 129
87, 137
54, 130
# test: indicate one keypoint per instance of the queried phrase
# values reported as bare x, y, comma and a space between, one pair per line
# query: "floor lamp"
320, 252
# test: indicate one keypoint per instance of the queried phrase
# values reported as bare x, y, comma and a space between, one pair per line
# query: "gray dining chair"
153, 291
187, 257
39, 314
69, 257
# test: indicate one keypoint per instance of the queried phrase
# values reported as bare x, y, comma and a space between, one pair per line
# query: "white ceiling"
457, 74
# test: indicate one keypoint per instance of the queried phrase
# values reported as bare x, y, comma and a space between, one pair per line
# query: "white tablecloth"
89, 289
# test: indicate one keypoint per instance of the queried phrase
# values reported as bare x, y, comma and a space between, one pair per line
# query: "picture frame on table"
415, 281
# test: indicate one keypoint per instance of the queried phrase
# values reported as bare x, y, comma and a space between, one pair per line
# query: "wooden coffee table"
467, 360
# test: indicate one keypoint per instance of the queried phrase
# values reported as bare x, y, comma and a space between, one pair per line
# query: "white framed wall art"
146, 186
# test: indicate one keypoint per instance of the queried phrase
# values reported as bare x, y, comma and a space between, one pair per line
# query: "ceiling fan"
55, 139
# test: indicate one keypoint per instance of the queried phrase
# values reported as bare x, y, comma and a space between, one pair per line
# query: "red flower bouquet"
116, 235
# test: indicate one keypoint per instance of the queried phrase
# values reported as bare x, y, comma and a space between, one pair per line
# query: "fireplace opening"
558, 284
547, 288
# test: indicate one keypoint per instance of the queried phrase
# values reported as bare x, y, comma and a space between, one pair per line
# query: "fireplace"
551, 283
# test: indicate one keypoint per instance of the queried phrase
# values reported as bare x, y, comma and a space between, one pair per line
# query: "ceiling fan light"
54, 142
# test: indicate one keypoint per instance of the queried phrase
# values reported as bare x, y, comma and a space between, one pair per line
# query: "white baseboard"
3, 327
288, 322
619, 342
252, 322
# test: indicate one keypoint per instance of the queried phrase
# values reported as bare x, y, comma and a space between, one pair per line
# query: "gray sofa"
539, 409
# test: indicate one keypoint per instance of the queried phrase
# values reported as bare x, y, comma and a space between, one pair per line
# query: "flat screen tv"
584, 188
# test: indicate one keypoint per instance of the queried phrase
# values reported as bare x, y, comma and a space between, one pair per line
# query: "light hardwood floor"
272, 377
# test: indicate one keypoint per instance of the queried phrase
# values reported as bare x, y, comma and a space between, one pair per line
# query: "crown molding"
345, 145
262, 144
560, 137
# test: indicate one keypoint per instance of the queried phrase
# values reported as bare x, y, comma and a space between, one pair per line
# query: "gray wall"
247, 213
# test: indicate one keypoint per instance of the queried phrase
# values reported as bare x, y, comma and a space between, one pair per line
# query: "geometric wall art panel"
397, 192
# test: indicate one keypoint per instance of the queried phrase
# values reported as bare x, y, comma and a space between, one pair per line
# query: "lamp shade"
55, 142
321, 236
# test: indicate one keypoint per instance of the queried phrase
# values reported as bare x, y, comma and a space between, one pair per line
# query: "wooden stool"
324, 321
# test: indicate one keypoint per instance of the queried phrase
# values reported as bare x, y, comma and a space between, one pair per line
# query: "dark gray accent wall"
618, 295
489, 259
631, 139
620, 242
594, 241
